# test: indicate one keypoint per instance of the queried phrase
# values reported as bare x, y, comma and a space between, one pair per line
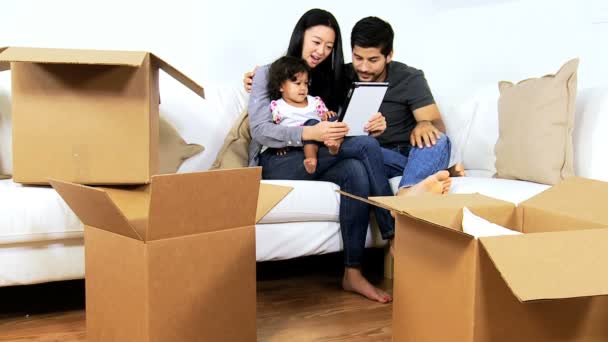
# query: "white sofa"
41, 240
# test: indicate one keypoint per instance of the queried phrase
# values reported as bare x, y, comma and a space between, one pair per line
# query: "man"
414, 141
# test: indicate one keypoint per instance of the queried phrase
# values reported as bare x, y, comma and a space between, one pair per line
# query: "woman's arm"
263, 130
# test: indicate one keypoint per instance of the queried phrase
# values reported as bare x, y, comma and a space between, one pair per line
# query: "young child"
292, 106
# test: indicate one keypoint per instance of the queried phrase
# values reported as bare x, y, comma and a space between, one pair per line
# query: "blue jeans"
418, 163
357, 169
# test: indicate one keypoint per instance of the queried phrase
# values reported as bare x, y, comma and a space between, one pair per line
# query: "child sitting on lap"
292, 106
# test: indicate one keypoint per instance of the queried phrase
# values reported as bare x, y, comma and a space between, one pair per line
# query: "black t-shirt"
408, 90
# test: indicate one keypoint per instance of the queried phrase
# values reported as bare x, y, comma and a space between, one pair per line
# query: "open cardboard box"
544, 285
86, 116
175, 260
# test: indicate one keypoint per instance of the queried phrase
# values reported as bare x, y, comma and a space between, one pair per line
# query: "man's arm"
429, 126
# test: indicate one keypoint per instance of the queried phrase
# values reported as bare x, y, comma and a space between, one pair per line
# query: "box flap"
178, 75
4, 65
134, 203
73, 56
192, 203
552, 265
270, 195
576, 197
443, 211
95, 208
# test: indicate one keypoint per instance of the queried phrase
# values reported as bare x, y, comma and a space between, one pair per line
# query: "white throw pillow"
479, 227
589, 135
478, 148
457, 120
204, 122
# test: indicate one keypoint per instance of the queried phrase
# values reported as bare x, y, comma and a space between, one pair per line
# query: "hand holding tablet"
363, 100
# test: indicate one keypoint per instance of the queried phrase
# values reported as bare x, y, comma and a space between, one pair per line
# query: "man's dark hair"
373, 32
283, 69
326, 78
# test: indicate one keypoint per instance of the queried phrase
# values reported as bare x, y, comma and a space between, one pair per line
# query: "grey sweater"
264, 132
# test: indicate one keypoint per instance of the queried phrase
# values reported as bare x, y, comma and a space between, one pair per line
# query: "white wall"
453, 40
460, 44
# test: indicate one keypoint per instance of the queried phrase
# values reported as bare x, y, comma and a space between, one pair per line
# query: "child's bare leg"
334, 146
310, 157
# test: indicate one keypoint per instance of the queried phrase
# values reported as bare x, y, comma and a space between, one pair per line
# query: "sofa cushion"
235, 150
509, 190
34, 214
295, 239
308, 201
536, 120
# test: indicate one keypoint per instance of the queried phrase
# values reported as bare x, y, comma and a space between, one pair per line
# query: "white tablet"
363, 100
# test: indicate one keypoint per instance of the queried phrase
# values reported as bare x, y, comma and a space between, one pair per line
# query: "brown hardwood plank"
298, 300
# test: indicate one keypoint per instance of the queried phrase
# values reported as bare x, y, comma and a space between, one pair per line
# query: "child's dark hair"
283, 69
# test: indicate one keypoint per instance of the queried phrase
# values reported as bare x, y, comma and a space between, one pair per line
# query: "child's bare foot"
354, 281
456, 170
333, 146
310, 164
438, 183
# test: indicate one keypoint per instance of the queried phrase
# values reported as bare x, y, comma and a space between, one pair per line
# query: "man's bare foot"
438, 183
333, 146
310, 164
456, 170
447, 184
354, 281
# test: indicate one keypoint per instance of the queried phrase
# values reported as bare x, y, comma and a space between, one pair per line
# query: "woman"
357, 168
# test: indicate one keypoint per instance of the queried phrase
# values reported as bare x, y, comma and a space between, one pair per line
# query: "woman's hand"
248, 79
325, 130
375, 125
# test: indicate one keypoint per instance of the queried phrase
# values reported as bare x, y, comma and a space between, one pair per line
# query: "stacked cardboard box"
86, 116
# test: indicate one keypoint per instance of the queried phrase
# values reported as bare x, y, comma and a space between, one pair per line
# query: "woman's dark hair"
326, 80
373, 32
283, 69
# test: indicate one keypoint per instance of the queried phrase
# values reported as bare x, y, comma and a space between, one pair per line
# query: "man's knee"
366, 143
443, 144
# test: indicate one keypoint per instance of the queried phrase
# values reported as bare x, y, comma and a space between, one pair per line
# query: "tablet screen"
363, 100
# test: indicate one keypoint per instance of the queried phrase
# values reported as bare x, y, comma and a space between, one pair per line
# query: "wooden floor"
298, 300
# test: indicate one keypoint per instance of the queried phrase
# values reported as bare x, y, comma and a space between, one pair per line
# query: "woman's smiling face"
318, 44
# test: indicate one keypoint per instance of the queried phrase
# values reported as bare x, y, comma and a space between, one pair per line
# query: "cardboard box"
544, 285
4, 65
86, 116
175, 260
